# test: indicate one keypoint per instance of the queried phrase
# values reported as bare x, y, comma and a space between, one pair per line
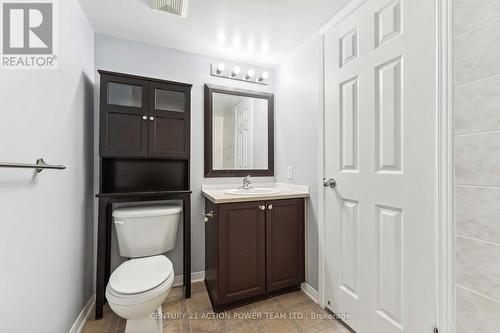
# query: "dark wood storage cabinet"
144, 140
253, 250
143, 117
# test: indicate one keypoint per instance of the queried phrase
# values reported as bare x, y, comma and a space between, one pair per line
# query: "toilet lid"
140, 275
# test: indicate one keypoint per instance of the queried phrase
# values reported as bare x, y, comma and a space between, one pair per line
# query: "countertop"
215, 193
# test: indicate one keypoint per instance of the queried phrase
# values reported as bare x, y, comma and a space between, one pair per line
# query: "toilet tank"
146, 230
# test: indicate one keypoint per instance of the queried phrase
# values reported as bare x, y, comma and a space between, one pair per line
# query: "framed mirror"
239, 132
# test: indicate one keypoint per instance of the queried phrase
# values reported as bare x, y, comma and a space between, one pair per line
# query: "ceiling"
261, 32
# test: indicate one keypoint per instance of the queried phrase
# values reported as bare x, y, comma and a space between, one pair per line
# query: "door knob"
151, 118
330, 182
262, 207
144, 118
270, 207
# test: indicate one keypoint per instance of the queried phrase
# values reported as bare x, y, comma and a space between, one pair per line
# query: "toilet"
139, 286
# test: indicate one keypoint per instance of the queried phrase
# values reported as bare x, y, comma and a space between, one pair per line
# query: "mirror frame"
209, 170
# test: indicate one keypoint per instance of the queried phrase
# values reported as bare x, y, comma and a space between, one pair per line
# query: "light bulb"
220, 68
250, 74
264, 76
236, 71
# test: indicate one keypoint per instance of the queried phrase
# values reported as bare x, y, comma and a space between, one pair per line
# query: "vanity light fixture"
264, 76
235, 72
250, 74
220, 68
239, 72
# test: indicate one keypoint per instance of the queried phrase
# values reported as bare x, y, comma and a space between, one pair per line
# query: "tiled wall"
477, 164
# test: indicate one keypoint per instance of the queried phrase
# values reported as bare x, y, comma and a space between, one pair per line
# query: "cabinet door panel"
123, 94
284, 243
241, 252
169, 129
167, 137
124, 133
169, 100
123, 129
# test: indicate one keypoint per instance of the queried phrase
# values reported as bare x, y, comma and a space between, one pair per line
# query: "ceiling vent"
176, 7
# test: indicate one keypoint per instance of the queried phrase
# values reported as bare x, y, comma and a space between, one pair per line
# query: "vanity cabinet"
253, 250
143, 117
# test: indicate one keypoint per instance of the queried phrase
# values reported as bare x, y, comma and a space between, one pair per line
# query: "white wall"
298, 116
46, 237
477, 165
148, 60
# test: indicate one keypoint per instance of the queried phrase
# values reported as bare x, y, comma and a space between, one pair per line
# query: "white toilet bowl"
136, 291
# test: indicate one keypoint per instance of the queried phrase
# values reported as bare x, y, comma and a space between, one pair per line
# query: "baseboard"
195, 277
84, 316
310, 291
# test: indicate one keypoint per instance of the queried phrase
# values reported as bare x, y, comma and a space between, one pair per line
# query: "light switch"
290, 172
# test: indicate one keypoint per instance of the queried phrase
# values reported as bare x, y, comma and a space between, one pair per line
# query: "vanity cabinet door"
241, 273
123, 117
284, 244
169, 120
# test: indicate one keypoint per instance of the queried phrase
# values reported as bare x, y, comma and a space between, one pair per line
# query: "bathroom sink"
253, 191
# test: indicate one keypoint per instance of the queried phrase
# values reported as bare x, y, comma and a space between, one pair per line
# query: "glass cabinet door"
168, 100
124, 117
123, 94
169, 130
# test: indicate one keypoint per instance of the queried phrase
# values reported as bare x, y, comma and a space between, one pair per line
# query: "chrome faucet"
247, 183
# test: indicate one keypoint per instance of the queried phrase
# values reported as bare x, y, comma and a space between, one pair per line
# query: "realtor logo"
28, 34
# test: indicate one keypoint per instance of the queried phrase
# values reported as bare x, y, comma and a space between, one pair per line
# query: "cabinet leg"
102, 245
187, 246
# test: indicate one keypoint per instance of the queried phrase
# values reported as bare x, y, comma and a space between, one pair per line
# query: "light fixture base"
242, 74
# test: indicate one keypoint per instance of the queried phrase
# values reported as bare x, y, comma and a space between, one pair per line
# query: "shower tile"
477, 266
471, 14
477, 212
476, 313
477, 54
477, 106
477, 159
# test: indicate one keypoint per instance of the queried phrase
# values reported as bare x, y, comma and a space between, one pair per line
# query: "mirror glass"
240, 132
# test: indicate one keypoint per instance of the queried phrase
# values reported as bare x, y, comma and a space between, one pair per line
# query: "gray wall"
46, 237
298, 115
138, 58
477, 165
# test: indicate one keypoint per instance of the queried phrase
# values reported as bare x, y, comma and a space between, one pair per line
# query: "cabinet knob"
270, 207
151, 118
144, 118
262, 207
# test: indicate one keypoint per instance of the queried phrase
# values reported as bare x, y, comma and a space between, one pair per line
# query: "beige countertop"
215, 193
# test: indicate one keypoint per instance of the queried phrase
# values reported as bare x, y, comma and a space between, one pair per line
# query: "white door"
380, 147
244, 134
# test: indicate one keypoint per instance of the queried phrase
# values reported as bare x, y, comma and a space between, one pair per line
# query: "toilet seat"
140, 280
139, 275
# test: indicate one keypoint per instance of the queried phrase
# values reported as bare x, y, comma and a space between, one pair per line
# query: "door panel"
388, 98
380, 146
242, 251
349, 247
124, 132
123, 122
284, 244
168, 136
169, 121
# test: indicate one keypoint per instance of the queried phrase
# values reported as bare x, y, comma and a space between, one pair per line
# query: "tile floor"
288, 313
